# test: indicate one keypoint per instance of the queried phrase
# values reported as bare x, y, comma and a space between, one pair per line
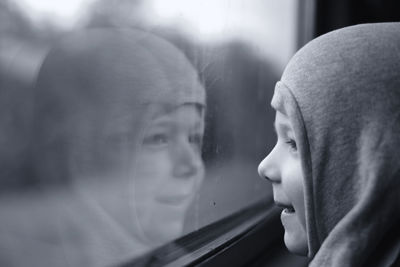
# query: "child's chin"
170, 230
295, 244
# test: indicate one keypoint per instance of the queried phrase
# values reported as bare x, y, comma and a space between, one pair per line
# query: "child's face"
169, 171
283, 168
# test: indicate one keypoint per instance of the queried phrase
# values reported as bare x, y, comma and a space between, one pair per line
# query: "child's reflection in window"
119, 121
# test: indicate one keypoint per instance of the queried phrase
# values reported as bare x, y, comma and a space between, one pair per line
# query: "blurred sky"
268, 25
64, 14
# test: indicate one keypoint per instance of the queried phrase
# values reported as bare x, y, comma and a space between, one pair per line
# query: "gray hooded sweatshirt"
342, 95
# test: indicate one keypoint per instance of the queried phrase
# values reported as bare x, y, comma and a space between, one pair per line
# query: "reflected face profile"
169, 171
282, 167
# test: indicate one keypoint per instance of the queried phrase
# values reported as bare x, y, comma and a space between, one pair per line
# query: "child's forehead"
164, 110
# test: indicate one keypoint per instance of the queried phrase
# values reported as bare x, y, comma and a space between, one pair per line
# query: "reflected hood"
94, 81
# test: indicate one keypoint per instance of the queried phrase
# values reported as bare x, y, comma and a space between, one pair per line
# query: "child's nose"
269, 167
187, 161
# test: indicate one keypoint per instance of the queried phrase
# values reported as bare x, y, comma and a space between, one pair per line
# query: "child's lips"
173, 199
287, 207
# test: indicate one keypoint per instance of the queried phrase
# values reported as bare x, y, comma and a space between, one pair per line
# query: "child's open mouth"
287, 208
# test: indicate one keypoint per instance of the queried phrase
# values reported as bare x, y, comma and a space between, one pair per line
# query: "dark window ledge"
236, 240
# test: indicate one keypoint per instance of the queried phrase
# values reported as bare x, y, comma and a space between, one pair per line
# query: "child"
336, 165
119, 121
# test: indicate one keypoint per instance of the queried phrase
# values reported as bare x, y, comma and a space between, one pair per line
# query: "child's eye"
156, 140
292, 144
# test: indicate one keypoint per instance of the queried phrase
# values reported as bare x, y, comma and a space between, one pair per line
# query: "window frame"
220, 242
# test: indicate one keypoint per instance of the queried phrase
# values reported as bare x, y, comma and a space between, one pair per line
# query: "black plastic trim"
257, 226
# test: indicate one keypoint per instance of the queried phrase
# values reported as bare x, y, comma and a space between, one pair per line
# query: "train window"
131, 128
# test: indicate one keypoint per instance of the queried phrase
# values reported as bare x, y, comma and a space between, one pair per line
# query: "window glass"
126, 124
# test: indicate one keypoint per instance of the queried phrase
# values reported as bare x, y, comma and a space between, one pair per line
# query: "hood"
341, 93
